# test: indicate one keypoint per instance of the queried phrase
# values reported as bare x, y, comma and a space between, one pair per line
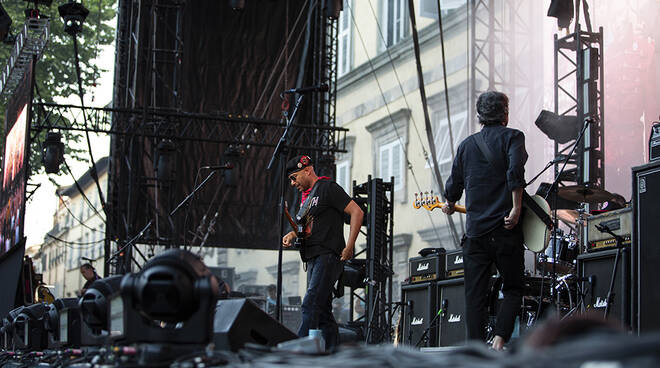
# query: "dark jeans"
322, 273
505, 249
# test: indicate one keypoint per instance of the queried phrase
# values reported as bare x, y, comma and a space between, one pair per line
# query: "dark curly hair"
492, 107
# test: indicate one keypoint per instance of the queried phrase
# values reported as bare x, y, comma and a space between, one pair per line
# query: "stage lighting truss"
182, 126
30, 43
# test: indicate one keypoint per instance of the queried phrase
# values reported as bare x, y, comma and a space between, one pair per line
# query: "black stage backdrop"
231, 64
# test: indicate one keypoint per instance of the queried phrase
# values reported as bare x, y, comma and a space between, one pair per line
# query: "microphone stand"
619, 249
132, 241
281, 153
554, 191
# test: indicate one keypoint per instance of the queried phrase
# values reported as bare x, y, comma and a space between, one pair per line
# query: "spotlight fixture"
171, 300
354, 275
563, 11
95, 310
74, 15
562, 129
52, 154
166, 160
29, 331
62, 323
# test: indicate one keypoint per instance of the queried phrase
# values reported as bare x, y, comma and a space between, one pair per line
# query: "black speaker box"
646, 247
451, 300
420, 308
598, 267
240, 321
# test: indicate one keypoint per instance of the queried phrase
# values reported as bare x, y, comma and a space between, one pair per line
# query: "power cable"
82, 193
444, 70
74, 216
70, 244
94, 171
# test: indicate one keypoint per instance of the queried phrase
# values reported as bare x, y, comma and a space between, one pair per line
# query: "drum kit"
554, 283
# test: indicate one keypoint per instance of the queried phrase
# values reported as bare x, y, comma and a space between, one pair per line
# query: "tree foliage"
56, 70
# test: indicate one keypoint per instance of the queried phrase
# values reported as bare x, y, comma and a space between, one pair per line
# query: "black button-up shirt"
487, 191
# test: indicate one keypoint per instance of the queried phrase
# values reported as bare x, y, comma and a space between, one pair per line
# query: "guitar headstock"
427, 200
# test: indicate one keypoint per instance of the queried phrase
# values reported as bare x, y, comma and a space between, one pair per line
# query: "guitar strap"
306, 206
527, 200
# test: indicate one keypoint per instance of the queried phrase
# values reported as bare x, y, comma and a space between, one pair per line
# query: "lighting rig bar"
224, 128
30, 43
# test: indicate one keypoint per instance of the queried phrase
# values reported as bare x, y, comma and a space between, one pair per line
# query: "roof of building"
85, 179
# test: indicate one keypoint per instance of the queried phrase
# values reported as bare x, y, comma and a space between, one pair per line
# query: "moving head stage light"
171, 300
62, 323
95, 309
29, 331
561, 129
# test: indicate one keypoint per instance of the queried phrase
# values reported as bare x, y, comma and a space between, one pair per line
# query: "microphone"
320, 88
227, 166
559, 158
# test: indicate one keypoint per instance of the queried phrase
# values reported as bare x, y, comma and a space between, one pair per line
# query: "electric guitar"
535, 231
302, 231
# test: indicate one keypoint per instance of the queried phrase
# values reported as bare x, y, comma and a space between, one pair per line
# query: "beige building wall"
78, 231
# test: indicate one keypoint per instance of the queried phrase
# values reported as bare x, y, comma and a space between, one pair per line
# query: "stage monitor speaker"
598, 267
646, 247
451, 300
240, 321
419, 310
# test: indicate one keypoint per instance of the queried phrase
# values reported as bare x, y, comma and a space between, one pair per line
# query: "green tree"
56, 69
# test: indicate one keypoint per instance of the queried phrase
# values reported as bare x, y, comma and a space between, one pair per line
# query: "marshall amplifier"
654, 142
646, 247
597, 267
454, 264
451, 302
429, 268
619, 221
419, 309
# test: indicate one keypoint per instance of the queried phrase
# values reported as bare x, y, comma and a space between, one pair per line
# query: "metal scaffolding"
148, 111
504, 56
579, 92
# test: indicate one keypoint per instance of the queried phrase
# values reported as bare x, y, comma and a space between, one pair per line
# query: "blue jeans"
322, 273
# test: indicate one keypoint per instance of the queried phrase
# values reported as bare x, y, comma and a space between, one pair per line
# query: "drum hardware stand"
424, 337
619, 248
554, 191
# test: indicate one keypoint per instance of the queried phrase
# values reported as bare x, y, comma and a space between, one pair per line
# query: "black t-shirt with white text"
326, 216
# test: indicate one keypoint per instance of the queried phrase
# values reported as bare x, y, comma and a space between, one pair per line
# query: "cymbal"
568, 216
579, 193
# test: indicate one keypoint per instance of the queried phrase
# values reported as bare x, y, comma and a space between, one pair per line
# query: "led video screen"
12, 205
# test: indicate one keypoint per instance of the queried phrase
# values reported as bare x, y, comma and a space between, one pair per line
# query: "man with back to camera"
493, 201
324, 248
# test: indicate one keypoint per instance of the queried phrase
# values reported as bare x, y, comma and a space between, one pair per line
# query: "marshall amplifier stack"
434, 300
646, 247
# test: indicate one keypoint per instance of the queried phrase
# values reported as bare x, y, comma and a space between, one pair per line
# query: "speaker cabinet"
420, 308
598, 267
240, 321
451, 300
646, 247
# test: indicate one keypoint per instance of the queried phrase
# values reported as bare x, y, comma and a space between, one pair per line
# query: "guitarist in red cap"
322, 210
490, 167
